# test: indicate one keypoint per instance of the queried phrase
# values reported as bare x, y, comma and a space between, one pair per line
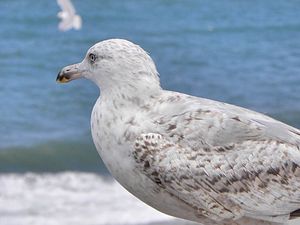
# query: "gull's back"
246, 164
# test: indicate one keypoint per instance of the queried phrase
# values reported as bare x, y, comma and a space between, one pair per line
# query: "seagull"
189, 157
68, 16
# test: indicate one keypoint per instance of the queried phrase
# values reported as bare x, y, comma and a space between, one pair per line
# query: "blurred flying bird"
68, 16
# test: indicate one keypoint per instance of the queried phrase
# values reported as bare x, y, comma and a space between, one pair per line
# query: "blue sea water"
242, 52
238, 51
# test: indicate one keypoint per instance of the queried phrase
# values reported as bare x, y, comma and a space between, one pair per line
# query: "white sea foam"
74, 198
70, 198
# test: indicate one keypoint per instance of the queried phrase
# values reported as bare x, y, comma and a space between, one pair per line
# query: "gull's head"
114, 64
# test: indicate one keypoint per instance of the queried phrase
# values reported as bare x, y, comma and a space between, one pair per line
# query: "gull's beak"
69, 73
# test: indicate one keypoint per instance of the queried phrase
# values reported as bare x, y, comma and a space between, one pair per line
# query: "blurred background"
242, 52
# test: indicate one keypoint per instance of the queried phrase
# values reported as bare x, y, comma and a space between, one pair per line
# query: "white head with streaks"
115, 64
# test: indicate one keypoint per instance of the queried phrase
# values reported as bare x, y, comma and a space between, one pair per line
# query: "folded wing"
255, 178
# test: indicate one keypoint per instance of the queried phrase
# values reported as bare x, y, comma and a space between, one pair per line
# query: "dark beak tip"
62, 78
58, 77
68, 73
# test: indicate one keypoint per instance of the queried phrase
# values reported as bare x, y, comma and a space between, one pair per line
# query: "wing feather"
66, 6
246, 179
222, 158
218, 124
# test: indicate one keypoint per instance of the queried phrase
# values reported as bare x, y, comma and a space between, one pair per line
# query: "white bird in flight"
68, 16
189, 157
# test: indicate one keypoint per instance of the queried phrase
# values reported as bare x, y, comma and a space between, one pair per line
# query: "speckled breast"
114, 147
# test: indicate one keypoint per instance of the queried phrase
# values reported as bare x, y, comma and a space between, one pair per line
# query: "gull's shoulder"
219, 122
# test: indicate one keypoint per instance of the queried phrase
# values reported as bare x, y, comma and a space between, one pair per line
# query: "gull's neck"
130, 95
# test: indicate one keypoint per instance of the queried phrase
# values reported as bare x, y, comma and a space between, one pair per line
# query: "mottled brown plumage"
189, 157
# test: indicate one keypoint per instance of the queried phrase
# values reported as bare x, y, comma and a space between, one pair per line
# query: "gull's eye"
92, 57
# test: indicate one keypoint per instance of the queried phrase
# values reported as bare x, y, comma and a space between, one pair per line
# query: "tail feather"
295, 214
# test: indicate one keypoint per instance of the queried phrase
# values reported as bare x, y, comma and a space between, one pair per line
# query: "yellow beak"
69, 73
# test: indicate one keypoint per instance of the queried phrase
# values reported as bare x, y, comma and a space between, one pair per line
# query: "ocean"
241, 52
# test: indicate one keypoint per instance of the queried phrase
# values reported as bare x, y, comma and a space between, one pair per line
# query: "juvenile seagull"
189, 157
68, 16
